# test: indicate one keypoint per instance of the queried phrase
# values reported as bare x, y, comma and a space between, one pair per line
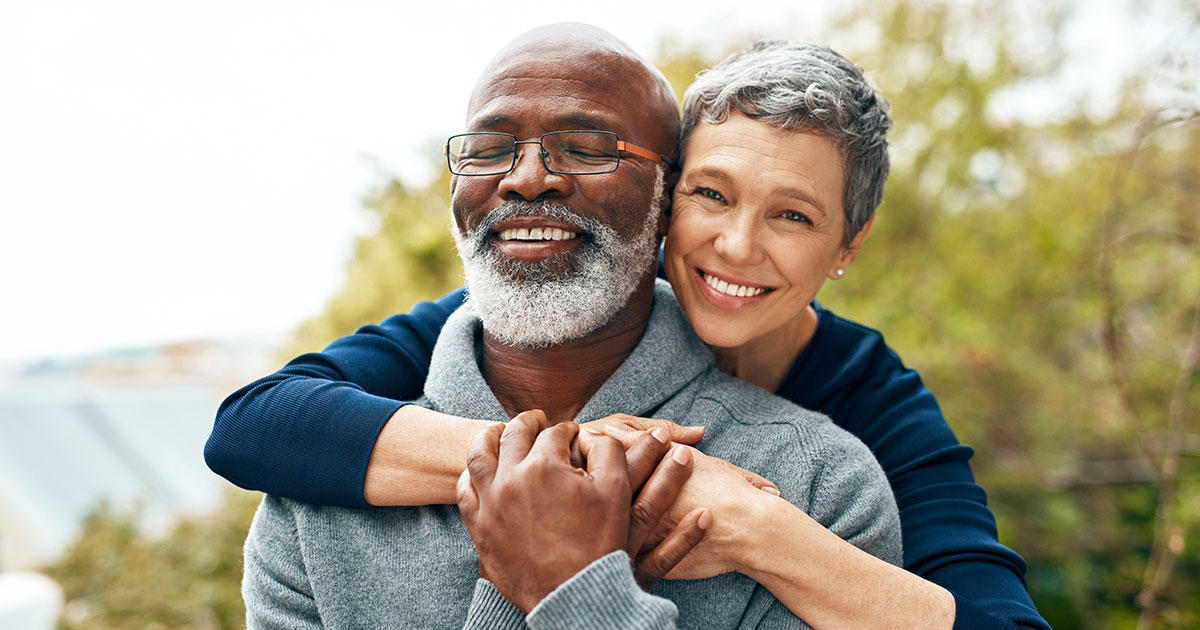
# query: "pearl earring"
839, 272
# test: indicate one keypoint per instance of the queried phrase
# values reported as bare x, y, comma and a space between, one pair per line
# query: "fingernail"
681, 455
660, 434
705, 520
770, 490
593, 430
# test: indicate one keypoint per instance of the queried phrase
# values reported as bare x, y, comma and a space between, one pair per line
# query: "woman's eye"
798, 217
710, 193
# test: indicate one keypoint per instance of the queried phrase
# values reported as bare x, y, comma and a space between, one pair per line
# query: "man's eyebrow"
562, 123
582, 122
491, 122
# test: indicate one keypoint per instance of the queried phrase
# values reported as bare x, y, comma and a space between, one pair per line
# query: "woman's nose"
736, 241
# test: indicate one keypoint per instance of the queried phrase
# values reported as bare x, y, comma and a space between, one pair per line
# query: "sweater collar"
668, 357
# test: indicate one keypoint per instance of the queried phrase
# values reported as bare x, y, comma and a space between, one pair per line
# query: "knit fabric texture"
416, 567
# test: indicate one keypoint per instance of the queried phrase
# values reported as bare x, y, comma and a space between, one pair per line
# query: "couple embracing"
575, 442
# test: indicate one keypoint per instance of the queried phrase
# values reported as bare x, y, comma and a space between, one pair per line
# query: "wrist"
751, 530
418, 457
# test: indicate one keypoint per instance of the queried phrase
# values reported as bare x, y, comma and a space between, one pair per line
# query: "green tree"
410, 257
116, 576
1043, 277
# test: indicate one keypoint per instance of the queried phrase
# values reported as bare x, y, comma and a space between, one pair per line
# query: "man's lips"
534, 238
536, 234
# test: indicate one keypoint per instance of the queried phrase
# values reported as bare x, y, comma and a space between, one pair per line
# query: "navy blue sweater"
306, 432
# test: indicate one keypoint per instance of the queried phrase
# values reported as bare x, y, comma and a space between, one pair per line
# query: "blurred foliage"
116, 576
1043, 276
410, 257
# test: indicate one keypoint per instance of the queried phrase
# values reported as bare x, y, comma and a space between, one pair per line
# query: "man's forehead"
575, 101
563, 71
504, 113
566, 74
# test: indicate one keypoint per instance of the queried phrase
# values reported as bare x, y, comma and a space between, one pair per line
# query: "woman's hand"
736, 502
537, 520
628, 429
620, 424
736, 498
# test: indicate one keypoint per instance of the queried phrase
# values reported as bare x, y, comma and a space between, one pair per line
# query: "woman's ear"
850, 252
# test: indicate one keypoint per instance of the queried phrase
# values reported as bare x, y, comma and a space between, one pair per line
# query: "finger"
756, 480
628, 431
467, 499
658, 562
483, 456
684, 435
590, 433
657, 496
606, 464
679, 433
519, 435
644, 456
554, 444
625, 435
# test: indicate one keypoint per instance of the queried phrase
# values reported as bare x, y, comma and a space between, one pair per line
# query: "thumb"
468, 500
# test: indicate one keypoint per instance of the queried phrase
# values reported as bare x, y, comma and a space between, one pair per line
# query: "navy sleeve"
949, 534
307, 431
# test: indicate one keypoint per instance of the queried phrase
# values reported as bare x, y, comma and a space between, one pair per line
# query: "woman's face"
757, 227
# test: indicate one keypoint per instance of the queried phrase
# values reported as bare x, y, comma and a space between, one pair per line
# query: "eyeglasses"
566, 152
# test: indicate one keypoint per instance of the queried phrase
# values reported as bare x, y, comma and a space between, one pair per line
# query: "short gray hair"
796, 86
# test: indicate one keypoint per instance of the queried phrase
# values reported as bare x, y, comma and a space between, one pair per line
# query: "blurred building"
126, 428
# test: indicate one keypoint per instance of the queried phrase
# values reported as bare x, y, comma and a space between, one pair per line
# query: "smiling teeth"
536, 234
735, 290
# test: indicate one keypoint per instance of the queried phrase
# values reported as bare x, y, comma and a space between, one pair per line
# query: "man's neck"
561, 379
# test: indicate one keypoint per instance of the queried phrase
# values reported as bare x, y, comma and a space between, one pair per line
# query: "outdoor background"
193, 192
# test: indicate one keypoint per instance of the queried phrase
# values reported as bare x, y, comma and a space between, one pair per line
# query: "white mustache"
478, 240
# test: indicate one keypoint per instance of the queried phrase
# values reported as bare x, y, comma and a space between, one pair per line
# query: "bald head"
577, 59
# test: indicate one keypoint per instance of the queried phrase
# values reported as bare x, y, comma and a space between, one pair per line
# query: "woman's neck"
766, 360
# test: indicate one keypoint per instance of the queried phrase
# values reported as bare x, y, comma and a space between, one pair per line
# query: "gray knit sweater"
310, 566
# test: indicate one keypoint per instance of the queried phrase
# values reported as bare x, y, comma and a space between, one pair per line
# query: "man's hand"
733, 494
656, 548
537, 520
625, 428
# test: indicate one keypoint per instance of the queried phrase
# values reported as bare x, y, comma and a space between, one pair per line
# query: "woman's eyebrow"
801, 194
708, 171
791, 192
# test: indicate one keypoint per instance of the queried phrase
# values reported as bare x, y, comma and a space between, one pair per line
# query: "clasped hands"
541, 504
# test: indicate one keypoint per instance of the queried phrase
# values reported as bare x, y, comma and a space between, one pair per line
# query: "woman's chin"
717, 336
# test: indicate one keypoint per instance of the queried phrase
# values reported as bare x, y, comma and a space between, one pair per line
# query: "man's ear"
669, 181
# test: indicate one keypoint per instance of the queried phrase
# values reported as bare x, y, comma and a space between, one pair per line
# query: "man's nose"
530, 180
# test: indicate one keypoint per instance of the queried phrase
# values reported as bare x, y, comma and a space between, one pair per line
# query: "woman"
784, 165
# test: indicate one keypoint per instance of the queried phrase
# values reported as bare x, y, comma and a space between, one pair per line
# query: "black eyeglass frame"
622, 146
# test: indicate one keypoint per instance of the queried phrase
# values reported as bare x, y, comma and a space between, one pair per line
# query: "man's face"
553, 257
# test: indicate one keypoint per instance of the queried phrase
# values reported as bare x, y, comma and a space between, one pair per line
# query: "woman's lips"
726, 293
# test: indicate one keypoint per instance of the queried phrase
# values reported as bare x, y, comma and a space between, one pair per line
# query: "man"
564, 316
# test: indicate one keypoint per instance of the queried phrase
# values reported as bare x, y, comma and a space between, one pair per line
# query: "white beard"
535, 305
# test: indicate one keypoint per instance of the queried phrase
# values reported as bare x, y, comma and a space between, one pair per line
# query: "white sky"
177, 170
